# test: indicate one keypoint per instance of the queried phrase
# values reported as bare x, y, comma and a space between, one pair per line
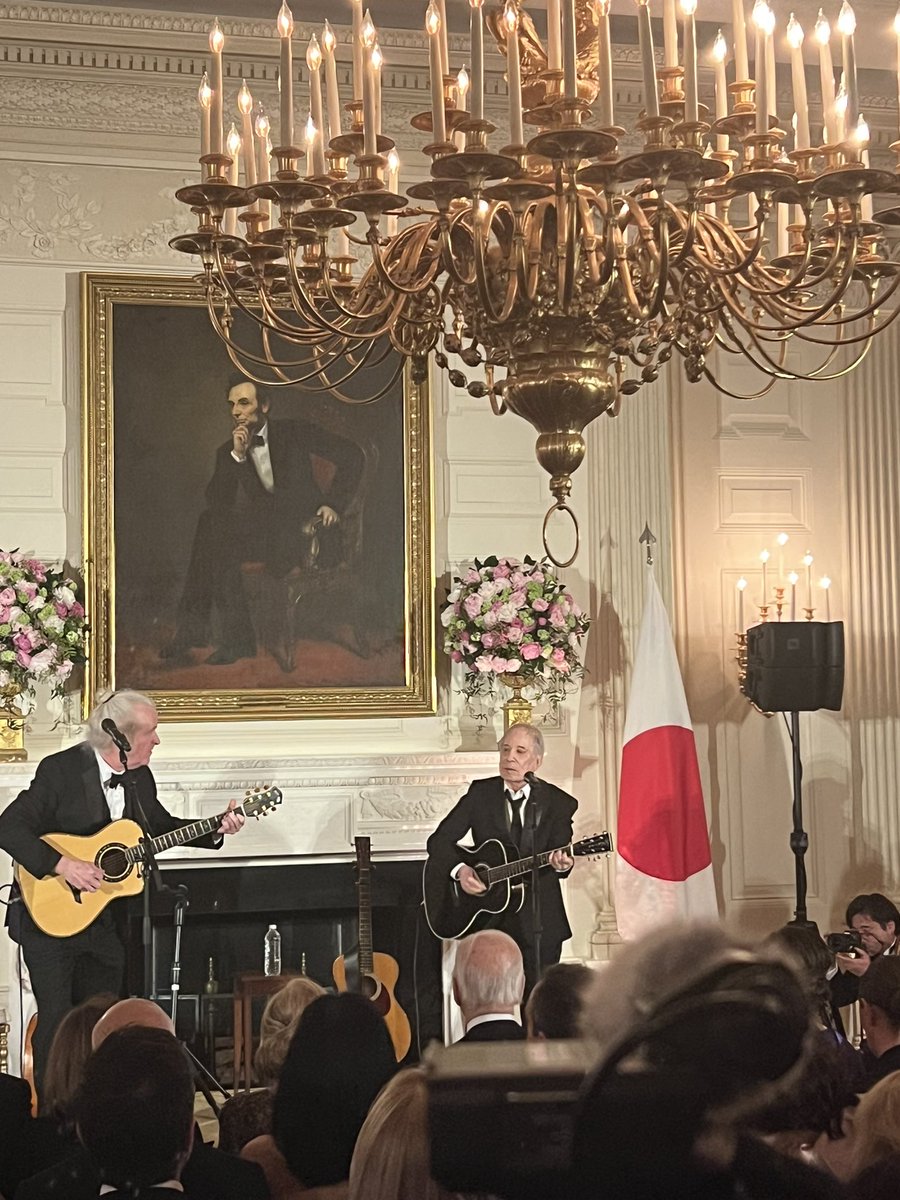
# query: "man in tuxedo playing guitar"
504, 807
79, 791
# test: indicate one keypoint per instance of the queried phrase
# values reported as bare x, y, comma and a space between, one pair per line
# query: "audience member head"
488, 976
338, 1061
879, 1004
279, 1023
133, 1011
68, 1053
813, 960
554, 1006
876, 920
135, 1108
392, 1160
695, 1031
876, 1124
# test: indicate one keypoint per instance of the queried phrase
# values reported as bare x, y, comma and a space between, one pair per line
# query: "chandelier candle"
862, 140
570, 76
332, 96
370, 121
826, 76
847, 27
314, 64
476, 34
739, 24
245, 108
438, 116
719, 54
377, 64
357, 44
764, 558
670, 34
793, 579
808, 562
897, 33
798, 84
554, 46
648, 62
233, 147
513, 74
691, 107
741, 588
216, 43
204, 100
462, 93
760, 64
264, 149
604, 66
443, 37
285, 25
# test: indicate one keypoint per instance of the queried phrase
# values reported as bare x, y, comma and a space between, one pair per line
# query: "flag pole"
648, 537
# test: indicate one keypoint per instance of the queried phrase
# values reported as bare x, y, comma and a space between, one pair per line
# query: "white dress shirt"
261, 458
115, 797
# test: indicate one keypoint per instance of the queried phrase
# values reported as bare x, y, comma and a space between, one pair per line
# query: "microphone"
109, 726
531, 778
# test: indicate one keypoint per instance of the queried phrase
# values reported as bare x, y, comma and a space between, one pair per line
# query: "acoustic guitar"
61, 910
451, 912
366, 972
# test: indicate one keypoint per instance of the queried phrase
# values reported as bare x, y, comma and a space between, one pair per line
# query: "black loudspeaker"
795, 666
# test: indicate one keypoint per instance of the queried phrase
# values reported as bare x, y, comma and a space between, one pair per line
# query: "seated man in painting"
264, 504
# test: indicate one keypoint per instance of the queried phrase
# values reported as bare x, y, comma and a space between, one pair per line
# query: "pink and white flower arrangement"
42, 627
506, 617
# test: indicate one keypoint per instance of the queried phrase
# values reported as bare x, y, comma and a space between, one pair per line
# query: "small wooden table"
247, 986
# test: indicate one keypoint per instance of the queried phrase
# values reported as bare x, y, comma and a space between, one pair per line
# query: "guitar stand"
204, 1078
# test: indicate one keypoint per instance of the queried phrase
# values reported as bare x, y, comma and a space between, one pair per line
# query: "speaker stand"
799, 836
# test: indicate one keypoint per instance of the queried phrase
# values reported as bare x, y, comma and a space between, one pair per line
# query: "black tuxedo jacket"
296, 496
483, 810
66, 796
495, 1031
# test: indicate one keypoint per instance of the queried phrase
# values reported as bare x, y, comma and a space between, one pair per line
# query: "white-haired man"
504, 807
488, 984
78, 791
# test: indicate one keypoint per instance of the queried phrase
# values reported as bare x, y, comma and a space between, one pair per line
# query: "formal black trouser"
64, 971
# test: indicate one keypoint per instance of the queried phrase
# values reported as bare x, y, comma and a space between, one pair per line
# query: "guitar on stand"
366, 972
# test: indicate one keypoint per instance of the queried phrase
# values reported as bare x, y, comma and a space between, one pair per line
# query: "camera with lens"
847, 942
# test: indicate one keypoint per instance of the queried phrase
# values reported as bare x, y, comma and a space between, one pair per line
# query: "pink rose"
4, 615
488, 640
61, 610
514, 664
24, 640
77, 609
64, 670
484, 663
531, 651
557, 617
28, 589
7, 597
455, 656
472, 605
514, 634
501, 571
558, 656
540, 604
23, 658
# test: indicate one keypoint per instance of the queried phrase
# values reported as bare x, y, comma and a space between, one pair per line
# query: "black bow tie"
116, 781
257, 440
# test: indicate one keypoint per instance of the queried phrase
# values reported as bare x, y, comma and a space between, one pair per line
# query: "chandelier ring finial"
561, 506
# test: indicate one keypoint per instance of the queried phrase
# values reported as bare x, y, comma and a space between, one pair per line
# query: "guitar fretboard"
520, 866
178, 837
366, 962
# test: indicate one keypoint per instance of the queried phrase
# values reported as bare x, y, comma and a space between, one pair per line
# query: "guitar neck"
178, 837
521, 866
363, 883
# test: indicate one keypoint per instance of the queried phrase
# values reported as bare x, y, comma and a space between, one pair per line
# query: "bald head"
130, 1012
488, 976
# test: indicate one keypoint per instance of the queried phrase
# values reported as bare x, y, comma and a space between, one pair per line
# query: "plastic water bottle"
272, 952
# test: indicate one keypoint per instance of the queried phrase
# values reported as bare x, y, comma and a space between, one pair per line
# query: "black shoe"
230, 654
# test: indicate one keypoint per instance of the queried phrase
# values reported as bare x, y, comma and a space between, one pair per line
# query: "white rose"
64, 595
447, 615
54, 624
43, 661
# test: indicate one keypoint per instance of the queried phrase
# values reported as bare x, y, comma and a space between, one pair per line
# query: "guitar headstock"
598, 843
260, 800
363, 853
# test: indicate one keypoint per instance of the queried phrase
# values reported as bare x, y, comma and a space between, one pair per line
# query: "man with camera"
876, 922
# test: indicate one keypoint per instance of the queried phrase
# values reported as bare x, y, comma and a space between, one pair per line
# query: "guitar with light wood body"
61, 910
370, 974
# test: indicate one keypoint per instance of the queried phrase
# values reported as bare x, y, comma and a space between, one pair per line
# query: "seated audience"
877, 921
338, 1061
15, 1117
695, 1032
875, 1133
248, 1114
488, 984
554, 1007
208, 1174
135, 1112
392, 1160
879, 1011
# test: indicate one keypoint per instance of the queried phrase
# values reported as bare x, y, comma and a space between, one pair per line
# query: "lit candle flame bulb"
807, 559
825, 582
367, 33
311, 131
377, 57
204, 92
510, 18
262, 125
760, 11
719, 48
483, 207
462, 85
393, 159
840, 101
846, 20
795, 33
793, 579
862, 131
432, 20
329, 41
823, 29
233, 141
216, 38
313, 54
688, 7
764, 556
480, 4
244, 99
741, 584
603, 7
782, 539
768, 25
285, 21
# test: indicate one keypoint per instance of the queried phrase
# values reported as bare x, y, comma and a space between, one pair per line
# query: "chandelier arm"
234, 297
332, 386
738, 395
589, 239
850, 341
385, 276
662, 279
689, 229
874, 304
448, 257
226, 337
340, 352
494, 315
301, 300
730, 243
810, 316
570, 245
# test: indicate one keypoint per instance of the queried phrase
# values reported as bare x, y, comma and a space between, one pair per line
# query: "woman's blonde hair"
279, 1022
391, 1160
876, 1124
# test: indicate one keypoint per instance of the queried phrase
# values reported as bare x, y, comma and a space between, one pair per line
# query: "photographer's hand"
853, 964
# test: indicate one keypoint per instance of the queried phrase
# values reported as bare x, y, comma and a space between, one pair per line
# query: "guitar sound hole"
370, 987
113, 862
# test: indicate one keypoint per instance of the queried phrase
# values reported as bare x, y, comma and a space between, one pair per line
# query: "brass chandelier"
564, 270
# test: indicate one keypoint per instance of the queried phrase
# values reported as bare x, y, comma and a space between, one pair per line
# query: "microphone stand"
537, 928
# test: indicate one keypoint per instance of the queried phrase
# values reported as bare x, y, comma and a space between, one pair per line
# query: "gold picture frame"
351, 639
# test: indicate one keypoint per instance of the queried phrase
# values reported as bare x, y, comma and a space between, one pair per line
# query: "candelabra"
567, 273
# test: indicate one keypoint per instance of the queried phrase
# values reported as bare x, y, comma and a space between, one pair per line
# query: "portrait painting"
252, 549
